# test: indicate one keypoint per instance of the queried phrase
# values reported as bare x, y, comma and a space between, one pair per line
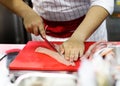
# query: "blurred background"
113, 23
12, 30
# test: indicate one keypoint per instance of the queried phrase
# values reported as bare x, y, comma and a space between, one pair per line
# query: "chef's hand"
72, 49
34, 24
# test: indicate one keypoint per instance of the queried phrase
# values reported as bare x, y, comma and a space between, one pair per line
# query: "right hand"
34, 24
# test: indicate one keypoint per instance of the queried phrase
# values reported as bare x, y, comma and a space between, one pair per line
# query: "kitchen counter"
3, 63
5, 47
17, 73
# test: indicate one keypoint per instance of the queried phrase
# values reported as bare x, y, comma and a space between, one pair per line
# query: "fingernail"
67, 58
72, 63
44, 36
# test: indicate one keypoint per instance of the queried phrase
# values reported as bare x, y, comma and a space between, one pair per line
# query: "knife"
48, 42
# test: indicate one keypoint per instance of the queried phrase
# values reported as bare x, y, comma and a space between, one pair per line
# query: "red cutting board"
27, 59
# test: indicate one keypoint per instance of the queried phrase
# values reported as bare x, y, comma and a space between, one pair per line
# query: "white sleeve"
107, 4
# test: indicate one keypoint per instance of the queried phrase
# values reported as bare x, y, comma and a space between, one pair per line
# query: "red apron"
62, 29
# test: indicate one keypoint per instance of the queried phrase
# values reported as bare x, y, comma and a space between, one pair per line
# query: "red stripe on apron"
62, 29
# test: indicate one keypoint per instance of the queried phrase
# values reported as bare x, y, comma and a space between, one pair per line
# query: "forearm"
19, 7
93, 19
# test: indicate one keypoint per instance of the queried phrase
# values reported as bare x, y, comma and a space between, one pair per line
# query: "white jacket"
66, 10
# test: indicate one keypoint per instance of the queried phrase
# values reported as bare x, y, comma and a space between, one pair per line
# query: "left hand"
72, 49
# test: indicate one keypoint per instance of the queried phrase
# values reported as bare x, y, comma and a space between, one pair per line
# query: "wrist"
79, 37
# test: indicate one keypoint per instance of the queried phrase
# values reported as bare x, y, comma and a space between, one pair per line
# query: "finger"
72, 54
35, 30
61, 49
42, 30
81, 52
29, 28
67, 54
82, 55
76, 56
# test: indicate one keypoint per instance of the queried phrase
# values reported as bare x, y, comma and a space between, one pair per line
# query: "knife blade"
50, 44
